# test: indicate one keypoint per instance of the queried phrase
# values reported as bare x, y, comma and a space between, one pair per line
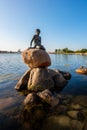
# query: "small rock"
76, 115
67, 101
76, 106
61, 109
84, 112
82, 100
31, 99
57, 123
47, 96
76, 125
73, 114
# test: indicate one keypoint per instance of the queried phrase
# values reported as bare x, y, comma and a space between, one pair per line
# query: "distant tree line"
67, 50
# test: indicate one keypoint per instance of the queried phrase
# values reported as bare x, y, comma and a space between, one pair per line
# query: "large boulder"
43, 78
36, 58
59, 80
40, 79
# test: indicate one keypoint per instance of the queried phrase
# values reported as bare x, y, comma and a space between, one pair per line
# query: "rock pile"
39, 77
39, 80
40, 84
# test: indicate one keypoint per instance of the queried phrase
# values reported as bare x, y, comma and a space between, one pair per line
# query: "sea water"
12, 68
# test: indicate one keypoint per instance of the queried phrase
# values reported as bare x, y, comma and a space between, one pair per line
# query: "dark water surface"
12, 68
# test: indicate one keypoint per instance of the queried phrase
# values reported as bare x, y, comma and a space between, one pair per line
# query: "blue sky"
63, 23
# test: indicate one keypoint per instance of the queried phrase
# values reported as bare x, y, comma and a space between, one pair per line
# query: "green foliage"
66, 50
83, 50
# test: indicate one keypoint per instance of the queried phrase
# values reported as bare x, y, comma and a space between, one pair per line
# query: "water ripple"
12, 68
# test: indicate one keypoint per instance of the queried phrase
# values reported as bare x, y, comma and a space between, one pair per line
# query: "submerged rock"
85, 125
61, 109
76, 125
82, 100
57, 123
73, 114
36, 58
76, 106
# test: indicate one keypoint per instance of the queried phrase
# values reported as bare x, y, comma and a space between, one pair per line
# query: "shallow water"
12, 68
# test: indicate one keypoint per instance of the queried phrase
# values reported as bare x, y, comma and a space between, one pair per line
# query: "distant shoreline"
68, 53
7, 52
19, 52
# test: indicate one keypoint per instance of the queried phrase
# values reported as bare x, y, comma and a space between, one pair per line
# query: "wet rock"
61, 109
67, 101
73, 114
66, 75
31, 99
36, 58
82, 100
43, 78
40, 80
57, 123
76, 115
84, 112
76, 106
76, 125
60, 82
47, 96
22, 83
85, 125
34, 119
